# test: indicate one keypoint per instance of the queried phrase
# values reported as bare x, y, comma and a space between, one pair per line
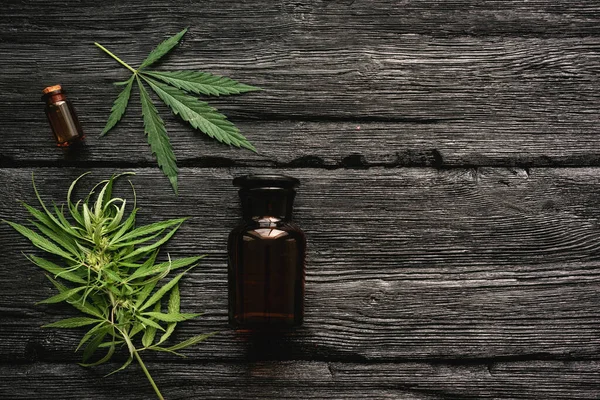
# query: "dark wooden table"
449, 154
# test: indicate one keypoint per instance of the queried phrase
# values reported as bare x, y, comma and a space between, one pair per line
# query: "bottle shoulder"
266, 230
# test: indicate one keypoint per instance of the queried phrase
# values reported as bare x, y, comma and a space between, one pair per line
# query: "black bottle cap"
267, 195
266, 181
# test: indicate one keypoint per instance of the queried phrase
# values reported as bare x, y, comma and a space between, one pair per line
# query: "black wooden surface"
450, 167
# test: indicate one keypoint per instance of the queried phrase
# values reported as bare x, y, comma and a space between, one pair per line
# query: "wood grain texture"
415, 77
446, 280
310, 380
421, 264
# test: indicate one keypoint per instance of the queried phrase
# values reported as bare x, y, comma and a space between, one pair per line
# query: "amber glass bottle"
266, 256
62, 116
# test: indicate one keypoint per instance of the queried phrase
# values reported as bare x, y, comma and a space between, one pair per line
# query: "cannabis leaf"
157, 137
172, 87
119, 107
110, 270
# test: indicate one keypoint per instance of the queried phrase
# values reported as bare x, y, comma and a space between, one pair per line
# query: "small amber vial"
266, 257
61, 116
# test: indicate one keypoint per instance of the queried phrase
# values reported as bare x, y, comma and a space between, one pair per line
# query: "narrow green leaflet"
161, 292
64, 241
112, 274
174, 317
200, 115
150, 323
90, 333
144, 293
150, 333
94, 343
157, 137
67, 294
150, 229
191, 341
119, 107
72, 322
55, 270
202, 82
173, 88
76, 300
173, 308
170, 265
104, 359
39, 241
162, 49
149, 248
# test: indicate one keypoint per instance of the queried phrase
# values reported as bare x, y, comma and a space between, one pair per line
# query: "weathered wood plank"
299, 20
309, 380
351, 144
403, 263
431, 71
482, 97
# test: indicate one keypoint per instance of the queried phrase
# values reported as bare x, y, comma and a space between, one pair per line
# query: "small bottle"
266, 256
62, 116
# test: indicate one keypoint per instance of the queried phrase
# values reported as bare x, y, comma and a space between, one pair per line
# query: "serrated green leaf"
136, 328
55, 269
72, 322
119, 107
150, 333
158, 139
125, 226
92, 346
163, 349
39, 241
149, 323
162, 291
76, 300
45, 220
150, 228
89, 334
191, 341
173, 308
67, 294
37, 195
171, 317
144, 293
61, 239
104, 359
65, 225
200, 115
151, 247
174, 300
202, 82
87, 219
129, 360
72, 207
162, 267
162, 49
114, 224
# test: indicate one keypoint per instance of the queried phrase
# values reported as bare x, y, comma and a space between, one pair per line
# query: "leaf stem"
137, 356
123, 63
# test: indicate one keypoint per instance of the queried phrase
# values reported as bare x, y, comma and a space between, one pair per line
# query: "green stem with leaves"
108, 271
139, 359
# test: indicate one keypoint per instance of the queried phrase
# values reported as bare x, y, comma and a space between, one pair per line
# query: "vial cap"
52, 88
266, 181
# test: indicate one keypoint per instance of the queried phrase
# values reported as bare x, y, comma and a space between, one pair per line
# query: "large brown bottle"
266, 256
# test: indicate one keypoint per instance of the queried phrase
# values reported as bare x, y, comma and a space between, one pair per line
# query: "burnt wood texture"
450, 165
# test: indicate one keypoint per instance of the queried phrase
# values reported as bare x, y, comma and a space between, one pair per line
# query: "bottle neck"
54, 97
267, 202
